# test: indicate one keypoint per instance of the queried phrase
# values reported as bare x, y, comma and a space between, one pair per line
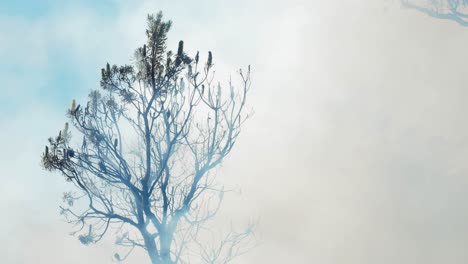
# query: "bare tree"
151, 139
455, 10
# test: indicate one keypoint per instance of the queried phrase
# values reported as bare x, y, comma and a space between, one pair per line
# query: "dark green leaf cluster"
57, 155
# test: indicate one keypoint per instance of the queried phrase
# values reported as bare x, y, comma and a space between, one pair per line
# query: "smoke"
356, 152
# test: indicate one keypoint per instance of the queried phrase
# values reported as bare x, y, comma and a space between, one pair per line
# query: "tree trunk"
166, 241
151, 248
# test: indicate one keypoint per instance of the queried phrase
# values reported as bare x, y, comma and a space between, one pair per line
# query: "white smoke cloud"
355, 154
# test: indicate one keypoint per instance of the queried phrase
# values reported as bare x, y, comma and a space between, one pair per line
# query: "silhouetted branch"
455, 10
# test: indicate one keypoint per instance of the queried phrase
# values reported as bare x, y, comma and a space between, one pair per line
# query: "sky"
356, 152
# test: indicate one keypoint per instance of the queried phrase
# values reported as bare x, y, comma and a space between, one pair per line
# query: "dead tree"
146, 148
